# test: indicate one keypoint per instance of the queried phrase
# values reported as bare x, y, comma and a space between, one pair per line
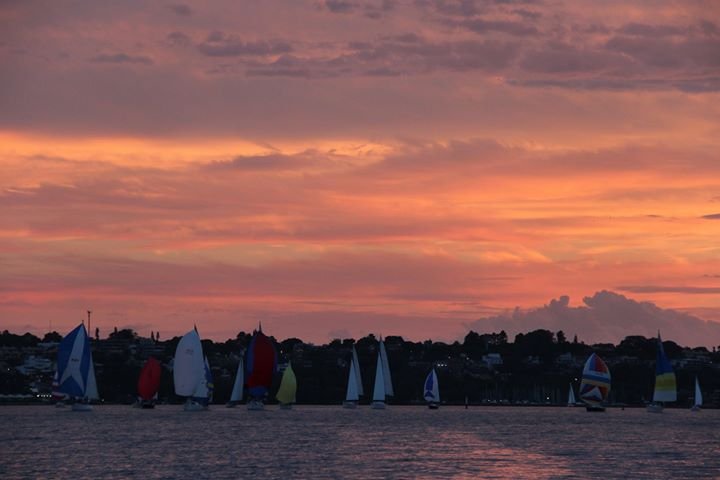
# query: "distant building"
492, 360
36, 365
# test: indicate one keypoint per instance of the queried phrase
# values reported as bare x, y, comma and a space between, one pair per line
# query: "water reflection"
331, 442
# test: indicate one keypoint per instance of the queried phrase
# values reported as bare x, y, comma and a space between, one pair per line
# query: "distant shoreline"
422, 405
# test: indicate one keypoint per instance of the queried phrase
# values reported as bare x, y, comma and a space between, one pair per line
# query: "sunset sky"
340, 167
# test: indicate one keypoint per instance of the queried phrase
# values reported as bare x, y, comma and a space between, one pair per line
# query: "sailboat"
378, 400
237, 391
571, 397
386, 370
358, 378
57, 396
76, 373
261, 365
209, 384
355, 386
698, 397
149, 383
665, 383
288, 388
432, 391
595, 385
189, 372
352, 395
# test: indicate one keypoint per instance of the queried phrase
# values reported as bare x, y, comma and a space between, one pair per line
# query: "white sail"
202, 390
432, 390
698, 394
386, 370
379, 390
91, 393
352, 394
571, 396
189, 367
356, 365
237, 391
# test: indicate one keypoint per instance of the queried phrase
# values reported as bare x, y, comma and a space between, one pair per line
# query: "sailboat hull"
82, 407
594, 408
377, 405
193, 406
349, 404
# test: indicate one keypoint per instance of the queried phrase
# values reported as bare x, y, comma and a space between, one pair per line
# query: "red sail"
261, 364
149, 381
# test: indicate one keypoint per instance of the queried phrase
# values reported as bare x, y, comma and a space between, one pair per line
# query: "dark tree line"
537, 366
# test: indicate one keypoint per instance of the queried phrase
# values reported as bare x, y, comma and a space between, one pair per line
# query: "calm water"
330, 442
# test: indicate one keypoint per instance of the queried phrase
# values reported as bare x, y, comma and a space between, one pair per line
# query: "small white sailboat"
189, 372
288, 388
432, 390
378, 402
352, 395
571, 397
386, 371
665, 382
237, 391
698, 397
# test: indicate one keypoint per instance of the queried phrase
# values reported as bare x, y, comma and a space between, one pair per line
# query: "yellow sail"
288, 386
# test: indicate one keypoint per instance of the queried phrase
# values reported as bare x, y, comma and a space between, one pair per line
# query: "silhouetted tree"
52, 337
124, 334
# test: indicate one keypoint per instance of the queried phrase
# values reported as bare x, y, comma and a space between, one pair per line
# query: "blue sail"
73, 364
429, 386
